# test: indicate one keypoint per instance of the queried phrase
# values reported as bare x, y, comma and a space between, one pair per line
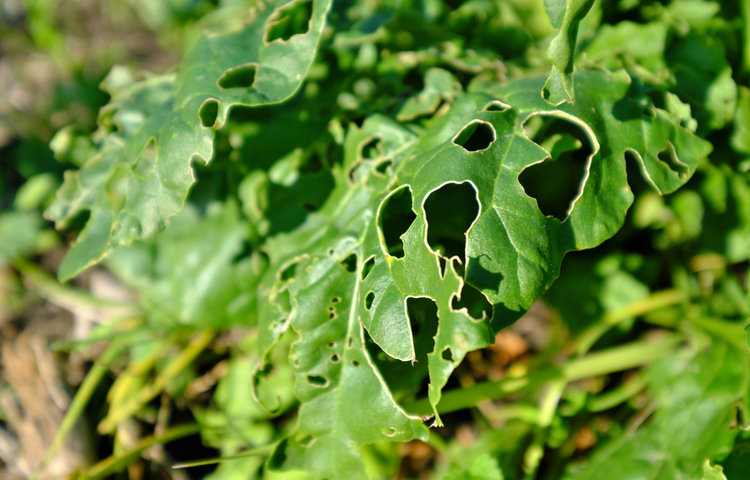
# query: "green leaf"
439, 85
153, 129
19, 234
559, 87
196, 272
740, 140
712, 473
695, 393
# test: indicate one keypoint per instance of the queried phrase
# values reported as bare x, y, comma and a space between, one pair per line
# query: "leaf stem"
599, 363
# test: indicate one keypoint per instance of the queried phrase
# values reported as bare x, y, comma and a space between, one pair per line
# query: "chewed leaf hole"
382, 167
289, 272
423, 319
557, 182
369, 299
208, 113
669, 157
304, 439
331, 345
239, 77
371, 150
289, 21
349, 341
317, 381
388, 431
449, 211
367, 267
475, 136
335, 299
496, 106
475, 303
355, 363
349, 263
396, 216
447, 354
335, 358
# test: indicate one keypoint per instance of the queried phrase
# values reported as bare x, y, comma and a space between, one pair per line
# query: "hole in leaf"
349, 263
475, 136
473, 301
317, 381
367, 267
284, 301
239, 77
304, 439
449, 212
447, 354
396, 216
331, 345
355, 363
289, 272
668, 157
349, 341
556, 182
496, 106
278, 459
332, 314
331, 252
443, 266
371, 149
335, 299
289, 21
424, 323
382, 167
388, 431
208, 113
369, 299
334, 358
414, 79
245, 253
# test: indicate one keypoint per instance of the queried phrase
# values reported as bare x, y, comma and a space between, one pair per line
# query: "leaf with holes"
314, 286
153, 129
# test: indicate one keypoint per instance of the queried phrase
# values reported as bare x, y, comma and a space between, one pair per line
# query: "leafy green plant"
364, 195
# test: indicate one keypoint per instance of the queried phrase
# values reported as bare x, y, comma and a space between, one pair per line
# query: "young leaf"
559, 87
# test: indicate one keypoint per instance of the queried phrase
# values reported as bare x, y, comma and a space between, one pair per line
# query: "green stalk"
600, 363
185, 358
255, 452
732, 332
655, 301
117, 463
49, 288
82, 396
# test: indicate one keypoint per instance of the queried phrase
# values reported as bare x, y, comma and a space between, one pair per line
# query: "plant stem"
115, 464
599, 363
80, 400
194, 348
255, 452
69, 298
655, 301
